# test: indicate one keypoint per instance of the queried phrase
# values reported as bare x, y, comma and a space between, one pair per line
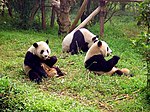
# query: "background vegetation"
79, 90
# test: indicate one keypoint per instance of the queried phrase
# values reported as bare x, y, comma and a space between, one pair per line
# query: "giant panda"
95, 60
75, 41
36, 55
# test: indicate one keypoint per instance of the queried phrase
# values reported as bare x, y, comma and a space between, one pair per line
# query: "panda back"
31, 49
93, 50
87, 35
67, 41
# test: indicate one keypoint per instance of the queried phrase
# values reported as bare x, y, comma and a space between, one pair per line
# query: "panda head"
99, 47
103, 48
42, 50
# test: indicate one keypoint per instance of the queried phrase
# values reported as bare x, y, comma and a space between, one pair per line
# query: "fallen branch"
94, 13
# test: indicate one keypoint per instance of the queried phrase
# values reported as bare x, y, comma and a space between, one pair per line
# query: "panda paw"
45, 75
116, 58
38, 80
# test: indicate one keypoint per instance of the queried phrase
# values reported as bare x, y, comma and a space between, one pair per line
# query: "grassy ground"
79, 90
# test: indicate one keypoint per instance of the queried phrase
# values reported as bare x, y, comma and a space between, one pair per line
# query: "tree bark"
52, 17
64, 17
3, 8
62, 8
9, 9
34, 10
43, 14
88, 7
102, 17
122, 6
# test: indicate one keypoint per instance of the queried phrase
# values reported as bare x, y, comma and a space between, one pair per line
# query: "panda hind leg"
123, 71
127, 72
118, 72
35, 77
59, 72
115, 71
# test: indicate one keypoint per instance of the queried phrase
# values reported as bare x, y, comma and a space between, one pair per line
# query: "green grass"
79, 90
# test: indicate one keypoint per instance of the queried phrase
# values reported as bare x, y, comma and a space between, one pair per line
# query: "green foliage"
80, 90
144, 17
143, 42
22, 10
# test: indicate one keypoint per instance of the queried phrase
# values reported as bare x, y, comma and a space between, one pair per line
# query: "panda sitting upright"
75, 41
94, 60
38, 54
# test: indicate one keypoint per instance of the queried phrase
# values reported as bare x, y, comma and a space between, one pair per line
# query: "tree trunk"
88, 7
62, 8
43, 14
3, 8
52, 17
102, 16
122, 6
33, 11
63, 17
9, 8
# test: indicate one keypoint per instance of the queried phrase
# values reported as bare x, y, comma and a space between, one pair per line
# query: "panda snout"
46, 56
109, 54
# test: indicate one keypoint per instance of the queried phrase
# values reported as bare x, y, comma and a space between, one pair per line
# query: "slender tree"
52, 17
34, 10
43, 14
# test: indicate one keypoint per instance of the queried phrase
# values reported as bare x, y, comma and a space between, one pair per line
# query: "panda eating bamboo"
38, 63
94, 60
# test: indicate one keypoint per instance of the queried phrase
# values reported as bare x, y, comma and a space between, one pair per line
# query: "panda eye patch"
107, 48
41, 51
47, 51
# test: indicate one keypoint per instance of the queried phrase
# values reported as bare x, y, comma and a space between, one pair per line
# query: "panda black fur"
37, 54
75, 41
95, 61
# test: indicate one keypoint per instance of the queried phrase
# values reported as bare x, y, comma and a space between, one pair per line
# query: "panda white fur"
75, 41
37, 54
94, 60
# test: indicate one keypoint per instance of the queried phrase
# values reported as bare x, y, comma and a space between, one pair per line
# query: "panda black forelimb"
90, 65
113, 61
34, 62
51, 61
98, 63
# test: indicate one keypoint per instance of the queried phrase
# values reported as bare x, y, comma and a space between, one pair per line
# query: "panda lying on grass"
94, 60
75, 41
38, 63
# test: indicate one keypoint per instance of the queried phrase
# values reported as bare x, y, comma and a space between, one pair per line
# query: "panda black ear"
99, 43
35, 45
97, 36
94, 38
47, 41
